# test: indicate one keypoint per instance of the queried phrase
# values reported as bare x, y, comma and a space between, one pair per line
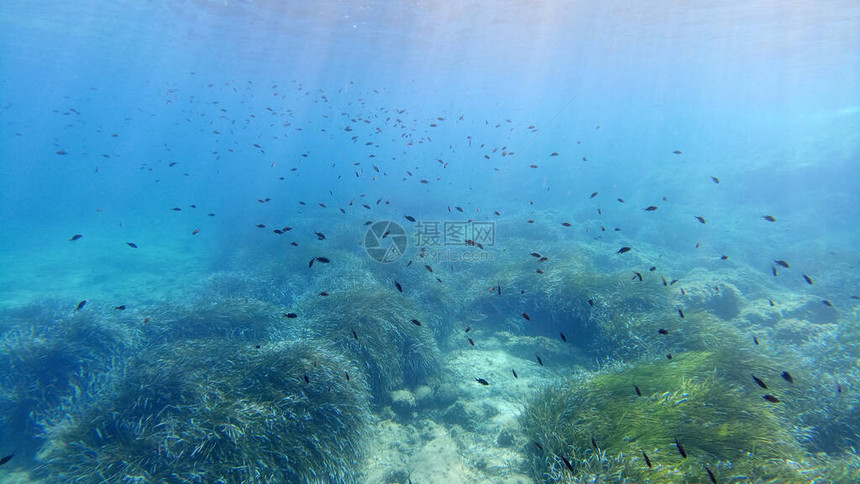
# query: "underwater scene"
429, 241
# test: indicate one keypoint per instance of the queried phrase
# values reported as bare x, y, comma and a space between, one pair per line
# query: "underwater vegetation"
372, 324
605, 423
203, 412
49, 354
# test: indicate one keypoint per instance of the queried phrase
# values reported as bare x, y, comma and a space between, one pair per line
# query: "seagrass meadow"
435, 242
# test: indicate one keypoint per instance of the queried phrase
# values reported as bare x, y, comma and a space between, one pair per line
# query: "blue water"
114, 113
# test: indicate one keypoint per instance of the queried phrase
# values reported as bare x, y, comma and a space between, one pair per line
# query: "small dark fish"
593, 443
807, 279
482, 381
131, 244
774, 271
527, 317
711, 475
755, 340
535, 254
681, 313
700, 219
291, 315
650, 208
469, 328
307, 380
663, 331
320, 235
787, 377
716, 180
636, 387
537, 444
593, 195
311, 263
499, 289
827, 303
81, 305
261, 226
591, 302
664, 282
563, 337
677, 152
680, 448
120, 308
409, 218
637, 276
6, 459
782, 263
540, 361
324, 294
623, 250
669, 356
758, 381
176, 209
768, 218
838, 388
75, 237
567, 464
429, 269
647, 460
517, 376
566, 224
354, 334
771, 398
324, 260
347, 375
724, 257
471, 342
398, 286
652, 268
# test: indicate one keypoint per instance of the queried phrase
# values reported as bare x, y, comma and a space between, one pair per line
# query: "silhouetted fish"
81, 305
291, 315
771, 398
75, 237
787, 377
647, 460
540, 361
700, 219
623, 250
567, 463
681, 313
7, 459
758, 382
471, 342
398, 286
409, 218
132, 245
563, 337
680, 448
783, 263
650, 208
517, 376
807, 279
716, 180
636, 387
663, 331
120, 308
769, 218
482, 381
711, 475
527, 317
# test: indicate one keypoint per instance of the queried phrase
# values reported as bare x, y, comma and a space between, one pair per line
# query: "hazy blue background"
763, 94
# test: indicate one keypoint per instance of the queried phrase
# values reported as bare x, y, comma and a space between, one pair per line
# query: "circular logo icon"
385, 241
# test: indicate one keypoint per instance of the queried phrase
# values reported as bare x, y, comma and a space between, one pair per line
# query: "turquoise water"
303, 231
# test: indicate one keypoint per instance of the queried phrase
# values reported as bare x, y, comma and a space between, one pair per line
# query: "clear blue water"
114, 113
